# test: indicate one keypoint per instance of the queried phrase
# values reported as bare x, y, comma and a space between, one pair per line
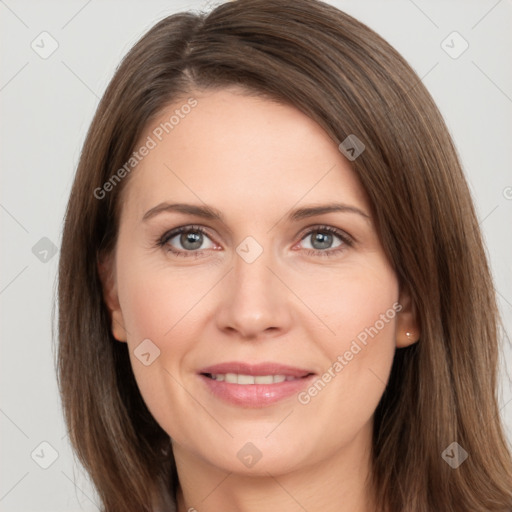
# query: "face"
261, 315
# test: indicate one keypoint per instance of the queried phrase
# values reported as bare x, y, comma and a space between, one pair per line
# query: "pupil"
191, 240
324, 239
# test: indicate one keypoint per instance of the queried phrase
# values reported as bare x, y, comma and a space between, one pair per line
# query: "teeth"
245, 379
263, 379
234, 378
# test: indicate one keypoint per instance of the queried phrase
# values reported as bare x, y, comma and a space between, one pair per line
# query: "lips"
254, 385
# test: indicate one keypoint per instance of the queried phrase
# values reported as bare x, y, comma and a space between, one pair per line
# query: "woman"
272, 288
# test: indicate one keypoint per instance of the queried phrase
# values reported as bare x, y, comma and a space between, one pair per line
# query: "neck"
339, 483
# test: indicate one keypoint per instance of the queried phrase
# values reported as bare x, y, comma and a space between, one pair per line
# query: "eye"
190, 241
186, 239
326, 241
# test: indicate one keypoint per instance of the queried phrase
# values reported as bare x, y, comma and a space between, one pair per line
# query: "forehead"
240, 152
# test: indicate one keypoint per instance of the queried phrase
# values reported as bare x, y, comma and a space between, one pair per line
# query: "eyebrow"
210, 213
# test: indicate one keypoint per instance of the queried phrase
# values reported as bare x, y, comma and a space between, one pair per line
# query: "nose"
254, 300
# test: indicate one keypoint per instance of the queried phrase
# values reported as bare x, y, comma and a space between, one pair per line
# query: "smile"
234, 378
254, 385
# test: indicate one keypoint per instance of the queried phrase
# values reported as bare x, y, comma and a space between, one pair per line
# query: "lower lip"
255, 395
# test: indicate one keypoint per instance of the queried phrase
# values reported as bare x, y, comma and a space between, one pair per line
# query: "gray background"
46, 107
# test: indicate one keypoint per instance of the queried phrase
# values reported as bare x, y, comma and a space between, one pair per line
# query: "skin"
255, 160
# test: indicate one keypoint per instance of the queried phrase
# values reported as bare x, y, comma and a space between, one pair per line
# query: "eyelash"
346, 240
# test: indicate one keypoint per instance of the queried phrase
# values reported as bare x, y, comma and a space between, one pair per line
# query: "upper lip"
266, 368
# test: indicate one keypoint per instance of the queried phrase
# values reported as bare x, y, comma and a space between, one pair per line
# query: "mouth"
240, 378
254, 385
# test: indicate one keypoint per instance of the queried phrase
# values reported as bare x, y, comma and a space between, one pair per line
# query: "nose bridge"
255, 300
251, 274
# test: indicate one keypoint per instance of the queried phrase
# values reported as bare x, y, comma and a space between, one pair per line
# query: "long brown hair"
349, 80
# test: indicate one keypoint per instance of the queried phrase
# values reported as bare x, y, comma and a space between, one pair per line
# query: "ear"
407, 325
106, 271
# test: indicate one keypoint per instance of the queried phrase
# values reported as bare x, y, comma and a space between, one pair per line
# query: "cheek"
156, 310
353, 301
361, 309
156, 306
156, 303
165, 307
